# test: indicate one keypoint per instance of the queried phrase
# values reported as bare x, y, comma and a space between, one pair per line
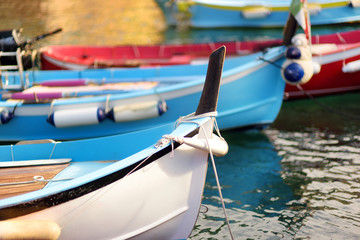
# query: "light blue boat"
251, 96
139, 185
254, 13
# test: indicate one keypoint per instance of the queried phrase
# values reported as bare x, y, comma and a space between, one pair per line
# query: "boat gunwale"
227, 76
41, 199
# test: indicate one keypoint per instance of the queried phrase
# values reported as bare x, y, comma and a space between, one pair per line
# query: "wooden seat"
19, 180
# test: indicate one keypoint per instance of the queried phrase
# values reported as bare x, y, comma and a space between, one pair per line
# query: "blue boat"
251, 96
254, 13
139, 185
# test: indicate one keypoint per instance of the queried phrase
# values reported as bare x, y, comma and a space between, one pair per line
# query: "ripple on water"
324, 170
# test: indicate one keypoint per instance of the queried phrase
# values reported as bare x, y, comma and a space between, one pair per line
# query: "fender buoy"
5, 115
297, 52
354, 3
255, 12
299, 40
299, 68
29, 229
77, 117
137, 111
219, 146
297, 72
351, 67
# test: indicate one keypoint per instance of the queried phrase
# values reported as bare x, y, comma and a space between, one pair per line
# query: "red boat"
339, 58
70, 57
336, 53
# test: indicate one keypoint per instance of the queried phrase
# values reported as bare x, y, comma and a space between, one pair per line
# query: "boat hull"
233, 14
109, 192
140, 185
71, 57
160, 201
331, 79
251, 95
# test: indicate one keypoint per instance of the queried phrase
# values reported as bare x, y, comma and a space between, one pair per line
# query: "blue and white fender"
77, 117
298, 53
297, 71
298, 67
137, 111
5, 115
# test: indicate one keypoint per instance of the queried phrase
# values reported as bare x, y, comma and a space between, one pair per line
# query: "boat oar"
37, 38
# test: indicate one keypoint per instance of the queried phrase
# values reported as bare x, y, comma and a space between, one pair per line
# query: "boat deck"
19, 180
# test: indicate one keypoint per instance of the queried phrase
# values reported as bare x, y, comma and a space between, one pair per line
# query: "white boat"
141, 185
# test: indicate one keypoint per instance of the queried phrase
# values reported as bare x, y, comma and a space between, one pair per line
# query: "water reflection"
321, 162
259, 203
299, 179
118, 22
324, 170
86, 22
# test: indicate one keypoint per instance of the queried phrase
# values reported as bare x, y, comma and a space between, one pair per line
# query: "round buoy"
297, 72
300, 53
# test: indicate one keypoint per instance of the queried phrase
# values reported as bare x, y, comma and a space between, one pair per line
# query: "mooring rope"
188, 119
325, 106
166, 139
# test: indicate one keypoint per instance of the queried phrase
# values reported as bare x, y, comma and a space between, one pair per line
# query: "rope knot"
166, 139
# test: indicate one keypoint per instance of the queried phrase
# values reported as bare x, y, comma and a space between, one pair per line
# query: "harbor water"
299, 178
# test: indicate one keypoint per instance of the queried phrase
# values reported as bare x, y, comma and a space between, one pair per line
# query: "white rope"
190, 117
12, 152
41, 179
107, 103
53, 150
166, 139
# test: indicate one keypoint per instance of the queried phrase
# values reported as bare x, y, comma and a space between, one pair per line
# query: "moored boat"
77, 57
330, 51
252, 94
90, 189
261, 13
13, 47
340, 69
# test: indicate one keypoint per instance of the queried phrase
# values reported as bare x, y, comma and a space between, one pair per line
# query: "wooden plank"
26, 174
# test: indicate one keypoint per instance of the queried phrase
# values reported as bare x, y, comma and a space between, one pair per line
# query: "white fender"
218, 146
138, 111
77, 117
299, 40
255, 12
29, 229
5, 115
317, 67
314, 8
297, 71
355, 3
351, 67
